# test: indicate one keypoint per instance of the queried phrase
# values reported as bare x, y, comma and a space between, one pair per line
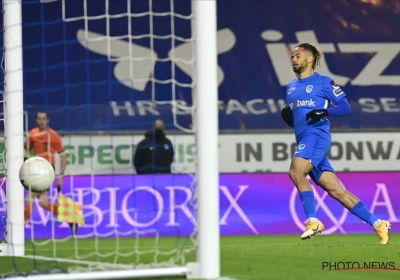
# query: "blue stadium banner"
250, 204
112, 66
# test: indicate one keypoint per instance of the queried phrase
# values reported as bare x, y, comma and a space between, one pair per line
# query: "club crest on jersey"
309, 88
291, 90
336, 89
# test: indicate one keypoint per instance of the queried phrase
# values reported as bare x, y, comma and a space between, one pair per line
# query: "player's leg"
46, 204
299, 168
29, 199
330, 183
53, 208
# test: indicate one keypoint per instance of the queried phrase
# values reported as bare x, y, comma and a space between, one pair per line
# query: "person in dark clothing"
155, 153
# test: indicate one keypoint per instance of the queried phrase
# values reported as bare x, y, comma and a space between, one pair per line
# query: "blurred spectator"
155, 153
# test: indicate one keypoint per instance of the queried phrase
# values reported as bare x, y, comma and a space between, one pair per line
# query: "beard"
300, 68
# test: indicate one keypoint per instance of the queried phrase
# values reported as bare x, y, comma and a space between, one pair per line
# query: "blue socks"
307, 199
364, 214
359, 210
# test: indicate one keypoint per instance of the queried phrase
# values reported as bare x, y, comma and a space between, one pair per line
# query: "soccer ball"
36, 174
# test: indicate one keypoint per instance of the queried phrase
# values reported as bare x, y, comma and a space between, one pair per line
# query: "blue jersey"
314, 92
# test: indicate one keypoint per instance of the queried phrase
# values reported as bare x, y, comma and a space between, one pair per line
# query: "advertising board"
250, 204
239, 153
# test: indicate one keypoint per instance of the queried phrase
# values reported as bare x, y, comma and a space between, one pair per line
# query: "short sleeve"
58, 147
332, 91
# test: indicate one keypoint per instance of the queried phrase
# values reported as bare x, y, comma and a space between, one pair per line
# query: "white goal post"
207, 265
13, 124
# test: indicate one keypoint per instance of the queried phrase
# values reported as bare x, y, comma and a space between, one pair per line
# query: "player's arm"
287, 116
63, 163
342, 108
336, 95
26, 152
27, 147
286, 113
61, 152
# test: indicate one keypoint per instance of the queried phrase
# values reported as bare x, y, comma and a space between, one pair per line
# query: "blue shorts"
315, 148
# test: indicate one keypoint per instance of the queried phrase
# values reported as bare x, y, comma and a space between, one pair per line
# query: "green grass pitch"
243, 257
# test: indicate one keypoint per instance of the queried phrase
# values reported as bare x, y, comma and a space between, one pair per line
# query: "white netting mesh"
130, 221
3, 167
3, 204
135, 63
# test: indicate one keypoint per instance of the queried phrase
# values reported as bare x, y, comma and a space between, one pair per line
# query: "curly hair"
317, 54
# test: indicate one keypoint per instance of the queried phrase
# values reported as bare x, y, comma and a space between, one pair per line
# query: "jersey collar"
308, 78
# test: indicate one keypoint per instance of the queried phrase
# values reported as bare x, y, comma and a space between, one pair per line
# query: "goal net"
118, 81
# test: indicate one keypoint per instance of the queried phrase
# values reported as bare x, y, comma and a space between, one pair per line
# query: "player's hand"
286, 111
287, 116
60, 184
316, 115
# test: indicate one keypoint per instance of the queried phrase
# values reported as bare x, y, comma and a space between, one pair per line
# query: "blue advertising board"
100, 66
250, 204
